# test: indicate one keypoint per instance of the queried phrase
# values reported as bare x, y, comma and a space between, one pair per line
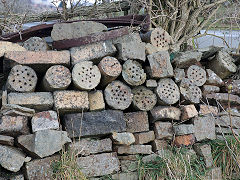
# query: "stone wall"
126, 96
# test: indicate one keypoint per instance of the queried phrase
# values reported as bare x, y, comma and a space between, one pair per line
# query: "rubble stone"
186, 59
165, 113
124, 176
214, 173
40, 61
16, 110
188, 111
96, 100
75, 30
40, 101
184, 140
204, 128
70, 101
144, 137
223, 98
6, 140
151, 83
224, 120
151, 49
94, 123
99, 165
222, 64
6, 46
133, 73
205, 152
35, 44
136, 121
223, 130
163, 130
131, 50
87, 146
208, 89
160, 64
209, 51
183, 129
39, 169
92, 52
159, 145
235, 86
14, 126
11, 158
43, 143
45, 120
124, 138
191, 94
213, 78
128, 166
134, 149
179, 74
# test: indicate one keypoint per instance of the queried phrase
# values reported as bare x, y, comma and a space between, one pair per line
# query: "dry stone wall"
122, 97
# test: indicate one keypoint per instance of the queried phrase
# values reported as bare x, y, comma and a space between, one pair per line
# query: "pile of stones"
109, 101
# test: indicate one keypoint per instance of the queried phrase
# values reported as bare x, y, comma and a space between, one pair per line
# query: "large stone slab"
87, 146
94, 123
134, 149
6, 140
6, 46
70, 101
11, 158
40, 101
144, 137
99, 165
14, 126
40, 61
92, 52
186, 59
204, 128
40, 169
43, 143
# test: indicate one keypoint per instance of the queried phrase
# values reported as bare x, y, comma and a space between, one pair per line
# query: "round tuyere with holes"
133, 73
22, 79
167, 91
110, 69
143, 98
85, 75
57, 77
196, 75
118, 95
191, 94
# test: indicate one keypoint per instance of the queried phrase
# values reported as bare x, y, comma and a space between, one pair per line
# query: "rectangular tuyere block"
94, 123
40, 61
40, 101
70, 101
92, 52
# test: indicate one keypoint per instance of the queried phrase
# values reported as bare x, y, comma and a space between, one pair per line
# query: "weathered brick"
204, 128
87, 146
134, 149
40, 61
207, 109
45, 120
188, 111
144, 137
165, 113
6, 140
94, 123
183, 129
160, 64
70, 101
99, 165
40, 101
163, 130
184, 140
6, 46
136, 121
13, 126
124, 138
92, 52
205, 152
131, 50
159, 145
39, 169
96, 100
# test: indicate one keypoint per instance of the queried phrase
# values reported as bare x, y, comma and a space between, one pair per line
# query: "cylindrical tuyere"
57, 77
110, 69
21, 79
118, 95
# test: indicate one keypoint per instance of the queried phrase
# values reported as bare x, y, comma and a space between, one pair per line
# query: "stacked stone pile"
122, 97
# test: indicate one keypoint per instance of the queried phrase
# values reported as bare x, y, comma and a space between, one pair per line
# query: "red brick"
185, 140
